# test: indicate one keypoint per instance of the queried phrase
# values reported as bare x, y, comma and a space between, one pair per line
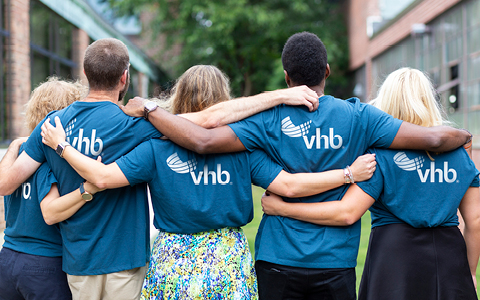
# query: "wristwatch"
148, 108
61, 147
85, 195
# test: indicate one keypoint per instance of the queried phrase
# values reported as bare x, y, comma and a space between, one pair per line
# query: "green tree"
245, 38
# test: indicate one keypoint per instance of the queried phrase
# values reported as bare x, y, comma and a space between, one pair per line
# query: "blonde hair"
53, 94
407, 94
199, 87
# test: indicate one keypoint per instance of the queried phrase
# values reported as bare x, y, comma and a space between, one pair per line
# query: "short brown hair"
199, 87
53, 94
104, 63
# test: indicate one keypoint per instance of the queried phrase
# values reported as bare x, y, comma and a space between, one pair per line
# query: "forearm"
234, 110
435, 139
8, 183
57, 209
472, 240
194, 137
306, 184
103, 176
331, 213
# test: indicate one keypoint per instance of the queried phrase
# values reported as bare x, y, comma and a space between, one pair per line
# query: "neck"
316, 88
97, 96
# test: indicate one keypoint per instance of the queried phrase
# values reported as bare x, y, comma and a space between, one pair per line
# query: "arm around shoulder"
437, 138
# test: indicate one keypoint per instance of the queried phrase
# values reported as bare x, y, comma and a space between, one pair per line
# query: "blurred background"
365, 40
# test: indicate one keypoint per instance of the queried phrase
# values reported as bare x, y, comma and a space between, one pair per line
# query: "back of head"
304, 57
104, 63
199, 87
54, 94
407, 94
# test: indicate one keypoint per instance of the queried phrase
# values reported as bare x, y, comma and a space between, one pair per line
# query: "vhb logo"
331, 140
177, 165
26, 190
81, 140
403, 162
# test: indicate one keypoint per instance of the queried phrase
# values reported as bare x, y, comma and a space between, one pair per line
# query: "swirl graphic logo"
292, 130
177, 165
404, 163
69, 127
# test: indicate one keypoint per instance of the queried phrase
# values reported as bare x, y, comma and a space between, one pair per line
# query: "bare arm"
344, 212
103, 176
14, 169
188, 135
56, 209
238, 109
470, 210
436, 139
308, 184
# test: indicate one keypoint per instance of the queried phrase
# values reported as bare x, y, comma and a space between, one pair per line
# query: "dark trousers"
277, 282
26, 276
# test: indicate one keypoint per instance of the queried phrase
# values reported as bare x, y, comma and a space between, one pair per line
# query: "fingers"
99, 158
58, 123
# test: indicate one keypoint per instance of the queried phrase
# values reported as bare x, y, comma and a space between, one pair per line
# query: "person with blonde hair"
416, 250
201, 201
31, 257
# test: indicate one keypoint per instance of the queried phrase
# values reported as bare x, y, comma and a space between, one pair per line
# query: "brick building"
39, 38
439, 37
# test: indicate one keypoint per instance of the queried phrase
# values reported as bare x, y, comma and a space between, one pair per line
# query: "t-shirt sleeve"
475, 181
381, 128
34, 146
44, 181
251, 131
263, 169
374, 186
139, 164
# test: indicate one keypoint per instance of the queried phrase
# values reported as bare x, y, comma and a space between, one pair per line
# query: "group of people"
87, 174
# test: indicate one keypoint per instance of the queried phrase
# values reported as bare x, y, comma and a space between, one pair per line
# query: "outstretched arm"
56, 209
103, 176
344, 212
308, 184
15, 169
237, 109
436, 139
470, 210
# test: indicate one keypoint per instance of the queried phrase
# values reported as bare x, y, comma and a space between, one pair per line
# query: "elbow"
203, 146
437, 141
347, 219
50, 219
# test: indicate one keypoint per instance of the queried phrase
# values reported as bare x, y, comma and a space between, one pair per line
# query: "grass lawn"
251, 230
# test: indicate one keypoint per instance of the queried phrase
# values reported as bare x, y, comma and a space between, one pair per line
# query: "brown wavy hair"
53, 94
201, 86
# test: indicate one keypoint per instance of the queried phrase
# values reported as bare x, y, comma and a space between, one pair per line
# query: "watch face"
150, 105
87, 196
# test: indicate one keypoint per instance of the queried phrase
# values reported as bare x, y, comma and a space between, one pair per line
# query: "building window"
51, 44
3, 97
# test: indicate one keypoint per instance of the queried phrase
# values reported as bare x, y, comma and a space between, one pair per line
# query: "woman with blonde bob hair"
201, 202
31, 257
416, 250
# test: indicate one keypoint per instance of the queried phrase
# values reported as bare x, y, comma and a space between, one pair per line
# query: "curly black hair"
304, 57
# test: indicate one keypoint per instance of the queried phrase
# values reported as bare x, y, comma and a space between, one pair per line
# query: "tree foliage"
245, 38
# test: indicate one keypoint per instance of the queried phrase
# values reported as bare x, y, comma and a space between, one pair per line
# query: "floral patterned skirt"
216, 264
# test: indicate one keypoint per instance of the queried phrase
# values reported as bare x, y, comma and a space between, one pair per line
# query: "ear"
287, 78
123, 79
327, 71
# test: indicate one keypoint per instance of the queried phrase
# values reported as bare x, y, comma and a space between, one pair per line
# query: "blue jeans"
26, 276
284, 282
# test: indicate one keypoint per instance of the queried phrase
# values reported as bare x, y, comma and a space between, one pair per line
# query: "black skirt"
406, 263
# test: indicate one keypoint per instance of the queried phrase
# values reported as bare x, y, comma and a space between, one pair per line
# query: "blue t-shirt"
110, 233
194, 193
410, 188
330, 138
26, 230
